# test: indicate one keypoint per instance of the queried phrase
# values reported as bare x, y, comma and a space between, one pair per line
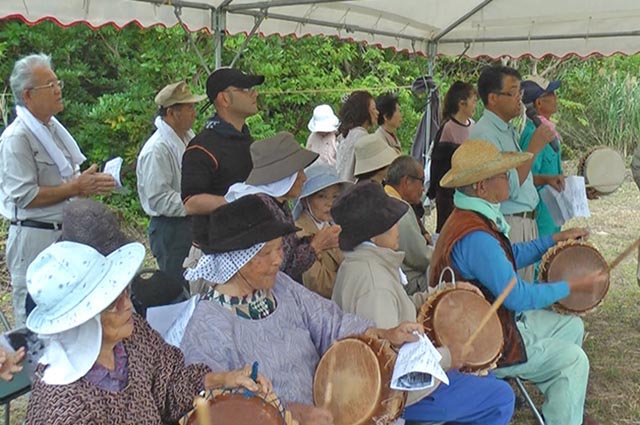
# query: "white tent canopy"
474, 28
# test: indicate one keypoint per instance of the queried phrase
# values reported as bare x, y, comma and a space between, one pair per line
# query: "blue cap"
535, 86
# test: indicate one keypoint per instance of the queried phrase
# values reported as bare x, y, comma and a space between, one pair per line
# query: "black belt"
37, 224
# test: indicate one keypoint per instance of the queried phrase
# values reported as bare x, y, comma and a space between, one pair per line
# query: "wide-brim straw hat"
372, 153
477, 160
276, 158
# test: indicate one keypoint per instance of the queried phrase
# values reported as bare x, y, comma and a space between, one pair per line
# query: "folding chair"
18, 386
529, 401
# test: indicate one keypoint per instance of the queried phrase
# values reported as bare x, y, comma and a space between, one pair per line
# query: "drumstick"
624, 254
494, 307
202, 408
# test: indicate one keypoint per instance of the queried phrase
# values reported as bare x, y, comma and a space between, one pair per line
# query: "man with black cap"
219, 156
159, 173
540, 95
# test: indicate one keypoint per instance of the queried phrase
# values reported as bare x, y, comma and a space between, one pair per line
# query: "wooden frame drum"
359, 369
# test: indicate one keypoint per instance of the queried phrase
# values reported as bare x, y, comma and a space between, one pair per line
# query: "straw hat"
476, 160
372, 153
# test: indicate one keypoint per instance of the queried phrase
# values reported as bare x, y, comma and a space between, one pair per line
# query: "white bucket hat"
72, 283
323, 120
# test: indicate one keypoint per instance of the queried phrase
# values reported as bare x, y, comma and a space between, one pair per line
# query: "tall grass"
604, 113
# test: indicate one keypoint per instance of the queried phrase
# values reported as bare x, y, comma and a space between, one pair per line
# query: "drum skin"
235, 407
571, 259
452, 315
603, 169
359, 369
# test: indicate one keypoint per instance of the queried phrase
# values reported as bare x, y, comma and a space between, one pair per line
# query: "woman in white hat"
312, 213
322, 140
103, 364
373, 157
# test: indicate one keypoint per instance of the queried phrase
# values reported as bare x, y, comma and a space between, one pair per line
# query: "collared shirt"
159, 177
25, 166
522, 198
111, 380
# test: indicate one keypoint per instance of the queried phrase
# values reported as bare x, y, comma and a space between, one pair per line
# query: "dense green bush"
111, 77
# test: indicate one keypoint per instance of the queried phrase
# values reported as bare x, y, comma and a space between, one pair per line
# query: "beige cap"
177, 93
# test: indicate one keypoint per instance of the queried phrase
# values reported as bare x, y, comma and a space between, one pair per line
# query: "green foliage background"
111, 77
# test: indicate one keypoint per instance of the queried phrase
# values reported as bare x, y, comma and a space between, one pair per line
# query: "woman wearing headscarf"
312, 213
254, 311
277, 177
370, 284
102, 363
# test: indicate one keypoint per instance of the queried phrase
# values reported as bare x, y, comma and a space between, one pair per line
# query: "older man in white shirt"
39, 170
159, 173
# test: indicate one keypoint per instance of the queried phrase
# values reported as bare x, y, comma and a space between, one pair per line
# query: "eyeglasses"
119, 304
519, 94
57, 83
420, 179
248, 90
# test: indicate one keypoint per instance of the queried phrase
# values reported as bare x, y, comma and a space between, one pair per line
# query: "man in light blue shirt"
499, 89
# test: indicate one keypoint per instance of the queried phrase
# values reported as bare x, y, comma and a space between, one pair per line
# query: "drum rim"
551, 254
427, 310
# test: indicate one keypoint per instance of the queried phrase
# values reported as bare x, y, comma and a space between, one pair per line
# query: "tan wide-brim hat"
372, 153
477, 160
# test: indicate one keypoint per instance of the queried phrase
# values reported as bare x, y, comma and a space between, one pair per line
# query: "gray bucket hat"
276, 158
319, 177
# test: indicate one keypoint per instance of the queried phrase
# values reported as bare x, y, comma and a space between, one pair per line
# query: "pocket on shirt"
48, 173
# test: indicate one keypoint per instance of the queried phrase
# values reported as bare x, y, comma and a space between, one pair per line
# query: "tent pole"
256, 25
219, 24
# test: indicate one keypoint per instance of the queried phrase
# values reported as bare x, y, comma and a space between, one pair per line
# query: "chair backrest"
21, 382
152, 288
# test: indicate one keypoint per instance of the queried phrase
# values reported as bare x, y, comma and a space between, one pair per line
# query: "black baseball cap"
222, 78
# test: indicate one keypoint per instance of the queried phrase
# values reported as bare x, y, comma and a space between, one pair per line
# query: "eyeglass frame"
248, 90
520, 94
421, 180
52, 84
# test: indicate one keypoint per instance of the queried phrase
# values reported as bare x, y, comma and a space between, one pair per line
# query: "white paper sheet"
113, 167
171, 320
571, 202
416, 366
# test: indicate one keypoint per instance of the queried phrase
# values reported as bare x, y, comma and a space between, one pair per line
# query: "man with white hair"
39, 170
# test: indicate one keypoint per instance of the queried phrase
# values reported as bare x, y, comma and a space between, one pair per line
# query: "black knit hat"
92, 223
364, 211
242, 224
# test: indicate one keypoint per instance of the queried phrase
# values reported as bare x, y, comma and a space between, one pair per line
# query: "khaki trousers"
523, 230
